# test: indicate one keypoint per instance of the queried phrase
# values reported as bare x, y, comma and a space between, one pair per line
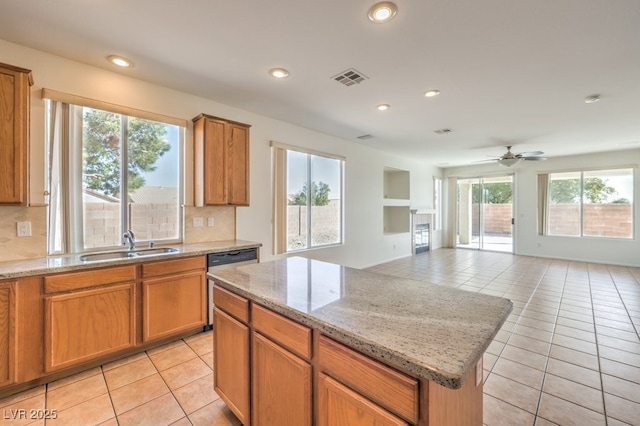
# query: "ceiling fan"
509, 159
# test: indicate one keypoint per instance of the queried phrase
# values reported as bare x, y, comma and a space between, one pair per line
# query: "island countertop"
434, 332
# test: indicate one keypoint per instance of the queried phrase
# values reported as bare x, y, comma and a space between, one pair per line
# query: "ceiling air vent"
365, 137
350, 77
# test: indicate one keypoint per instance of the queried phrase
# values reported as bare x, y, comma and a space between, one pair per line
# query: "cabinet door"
231, 363
215, 163
7, 333
173, 304
338, 405
238, 164
84, 325
14, 116
281, 385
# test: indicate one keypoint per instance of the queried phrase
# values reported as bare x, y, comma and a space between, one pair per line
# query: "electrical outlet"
210, 221
198, 222
24, 229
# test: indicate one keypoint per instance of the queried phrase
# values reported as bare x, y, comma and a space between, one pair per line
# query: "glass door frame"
468, 227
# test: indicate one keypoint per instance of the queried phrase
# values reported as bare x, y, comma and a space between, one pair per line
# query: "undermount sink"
121, 254
150, 251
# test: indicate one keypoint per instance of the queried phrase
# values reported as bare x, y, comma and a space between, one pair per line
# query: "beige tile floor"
569, 354
170, 385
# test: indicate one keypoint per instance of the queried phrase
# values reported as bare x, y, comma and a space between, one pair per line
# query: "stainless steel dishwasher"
226, 258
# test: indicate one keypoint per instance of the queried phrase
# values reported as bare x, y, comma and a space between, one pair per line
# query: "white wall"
528, 242
364, 243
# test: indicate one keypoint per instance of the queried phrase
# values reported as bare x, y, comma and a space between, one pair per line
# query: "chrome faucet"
130, 238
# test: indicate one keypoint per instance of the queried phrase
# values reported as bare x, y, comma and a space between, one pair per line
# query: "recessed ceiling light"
120, 61
431, 93
279, 72
591, 99
383, 107
382, 12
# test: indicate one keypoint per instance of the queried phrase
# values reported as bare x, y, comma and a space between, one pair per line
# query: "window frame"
545, 197
437, 203
71, 169
280, 199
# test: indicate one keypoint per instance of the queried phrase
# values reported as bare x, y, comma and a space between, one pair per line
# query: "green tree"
495, 193
564, 191
621, 200
101, 153
319, 195
595, 190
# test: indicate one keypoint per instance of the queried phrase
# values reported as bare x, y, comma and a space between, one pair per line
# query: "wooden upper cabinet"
221, 161
14, 134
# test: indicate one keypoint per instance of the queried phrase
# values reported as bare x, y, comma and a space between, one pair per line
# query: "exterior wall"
150, 222
497, 219
618, 251
325, 220
610, 220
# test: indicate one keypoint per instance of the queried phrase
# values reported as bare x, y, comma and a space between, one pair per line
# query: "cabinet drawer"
389, 388
290, 334
94, 278
232, 304
167, 267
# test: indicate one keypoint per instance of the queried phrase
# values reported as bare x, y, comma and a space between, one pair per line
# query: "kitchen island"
299, 341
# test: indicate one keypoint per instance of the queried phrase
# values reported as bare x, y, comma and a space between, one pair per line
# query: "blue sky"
323, 170
166, 166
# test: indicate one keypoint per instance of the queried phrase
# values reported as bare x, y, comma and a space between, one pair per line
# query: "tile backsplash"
13, 247
224, 224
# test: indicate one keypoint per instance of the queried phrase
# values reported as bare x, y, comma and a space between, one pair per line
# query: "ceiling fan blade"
486, 161
528, 153
533, 158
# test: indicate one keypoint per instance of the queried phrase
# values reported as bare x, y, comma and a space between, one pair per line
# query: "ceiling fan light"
591, 99
383, 11
279, 73
508, 162
120, 61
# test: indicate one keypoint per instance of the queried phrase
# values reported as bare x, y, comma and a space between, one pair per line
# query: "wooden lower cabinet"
338, 405
272, 370
53, 325
231, 364
174, 297
7, 332
87, 324
280, 385
173, 304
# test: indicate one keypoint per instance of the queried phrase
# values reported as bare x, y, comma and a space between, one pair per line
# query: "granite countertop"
434, 332
72, 262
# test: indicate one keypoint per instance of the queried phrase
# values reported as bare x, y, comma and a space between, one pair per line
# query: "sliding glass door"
485, 213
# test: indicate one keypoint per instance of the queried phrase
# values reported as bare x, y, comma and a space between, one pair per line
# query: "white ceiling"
510, 72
